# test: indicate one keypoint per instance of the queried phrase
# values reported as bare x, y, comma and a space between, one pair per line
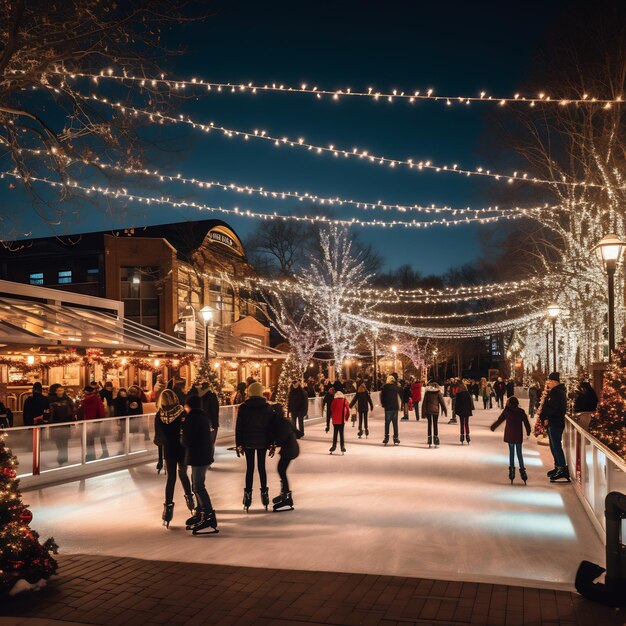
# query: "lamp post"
394, 349
375, 359
609, 250
207, 316
435, 368
553, 312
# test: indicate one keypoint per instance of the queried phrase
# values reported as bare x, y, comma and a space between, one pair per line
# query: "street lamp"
609, 250
553, 312
375, 359
394, 349
206, 313
435, 368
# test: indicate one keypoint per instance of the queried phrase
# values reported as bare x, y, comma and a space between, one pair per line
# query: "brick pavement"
118, 591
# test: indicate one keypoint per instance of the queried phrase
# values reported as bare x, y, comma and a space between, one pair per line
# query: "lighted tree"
207, 374
608, 423
22, 556
289, 372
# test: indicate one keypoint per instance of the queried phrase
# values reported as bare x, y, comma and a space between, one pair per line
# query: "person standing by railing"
168, 423
553, 417
92, 408
36, 408
61, 412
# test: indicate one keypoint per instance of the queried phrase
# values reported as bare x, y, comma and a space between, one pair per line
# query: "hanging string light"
413, 96
450, 316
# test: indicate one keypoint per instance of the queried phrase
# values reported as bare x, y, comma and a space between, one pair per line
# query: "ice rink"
447, 513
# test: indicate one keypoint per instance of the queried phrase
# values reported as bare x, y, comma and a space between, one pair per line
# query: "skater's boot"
207, 519
511, 473
467, 438
193, 520
367, 433
189, 501
462, 439
360, 434
522, 474
430, 442
343, 449
168, 513
247, 500
279, 497
553, 471
285, 502
386, 440
396, 441
436, 441
333, 448
265, 497
562, 475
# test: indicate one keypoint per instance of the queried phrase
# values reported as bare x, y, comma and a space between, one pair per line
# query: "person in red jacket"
339, 413
515, 418
92, 408
416, 396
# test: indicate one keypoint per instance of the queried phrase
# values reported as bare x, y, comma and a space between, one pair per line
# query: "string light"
336, 94
357, 153
163, 200
508, 307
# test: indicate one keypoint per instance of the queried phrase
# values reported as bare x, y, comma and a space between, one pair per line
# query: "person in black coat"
6, 416
364, 403
406, 396
253, 437
553, 416
390, 401
463, 407
586, 398
297, 406
61, 412
168, 423
196, 437
284, 436
106, 395
36, 408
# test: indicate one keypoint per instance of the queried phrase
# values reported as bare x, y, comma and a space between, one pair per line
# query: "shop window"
93, 275
65, 277
36, 278
140, 295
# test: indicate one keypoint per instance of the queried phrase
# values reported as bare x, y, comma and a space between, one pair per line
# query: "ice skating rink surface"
448, 513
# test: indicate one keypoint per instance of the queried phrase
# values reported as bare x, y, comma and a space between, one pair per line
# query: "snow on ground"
447, 513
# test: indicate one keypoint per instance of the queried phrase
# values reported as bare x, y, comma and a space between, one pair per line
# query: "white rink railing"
595, 470
59, 452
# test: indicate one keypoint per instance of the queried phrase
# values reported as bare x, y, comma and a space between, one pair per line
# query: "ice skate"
367, 433
247, 500
430, 442
396, 441
332, 449
190, 502
168, 513
386, 440
553, 471
193, 520
562, 475
207, 520
511, 474
462, 439
360, 434
285, 502
343, 450
452, 421
436, 441
467, 438
523, 475
265, 498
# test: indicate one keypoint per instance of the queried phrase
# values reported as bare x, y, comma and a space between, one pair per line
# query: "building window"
140, 296
65, 277
93, 275
36, 278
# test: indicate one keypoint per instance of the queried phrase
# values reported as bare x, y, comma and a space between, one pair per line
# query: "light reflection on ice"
503, 459
532, 497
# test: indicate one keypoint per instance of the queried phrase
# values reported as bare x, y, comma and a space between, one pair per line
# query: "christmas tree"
288, 373
608, 424
24, 562
539, 430
207, 374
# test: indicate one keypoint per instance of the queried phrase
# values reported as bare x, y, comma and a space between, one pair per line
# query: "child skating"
515, 418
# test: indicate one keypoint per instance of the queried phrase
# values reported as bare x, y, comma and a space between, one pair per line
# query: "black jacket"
168, 437
120, 406
586, 400
555, 406
284, 435
36, 405
254, 419
390, 397
61, 409
197, 438
433, 399
510, 388
463, 404
363, 402
135, 405
406, 393
106, 396
6, 417
297, 401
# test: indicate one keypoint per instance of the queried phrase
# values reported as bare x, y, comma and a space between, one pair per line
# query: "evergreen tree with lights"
608, 424
207, 374
25, 563
290, 372
539, 430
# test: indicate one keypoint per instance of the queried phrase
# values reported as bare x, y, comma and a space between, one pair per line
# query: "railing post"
127, 435
36, 451
83, 441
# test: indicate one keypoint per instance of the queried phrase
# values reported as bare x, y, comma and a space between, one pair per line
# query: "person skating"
199, 451
329, 396
416, 396
510, 388
168, 423
406, 396
339, 414
534, 394
297, 406
36, 408
390, 401
92, 408
433, 400
516, 419
61, 411
363, 402
453, 389
499, 389
553, 416
253, 437
284, 438
463, 406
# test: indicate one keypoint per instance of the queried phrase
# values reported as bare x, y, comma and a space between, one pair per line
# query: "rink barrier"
128, 441
595, 470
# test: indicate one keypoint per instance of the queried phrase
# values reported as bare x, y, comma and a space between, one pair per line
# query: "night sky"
453, 47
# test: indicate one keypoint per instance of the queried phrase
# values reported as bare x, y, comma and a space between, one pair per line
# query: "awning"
223, 344
28, 323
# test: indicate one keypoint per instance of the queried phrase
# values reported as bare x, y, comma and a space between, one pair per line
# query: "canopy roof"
29, 323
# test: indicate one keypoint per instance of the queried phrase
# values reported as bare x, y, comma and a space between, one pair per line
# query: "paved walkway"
447, 513
120, 591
